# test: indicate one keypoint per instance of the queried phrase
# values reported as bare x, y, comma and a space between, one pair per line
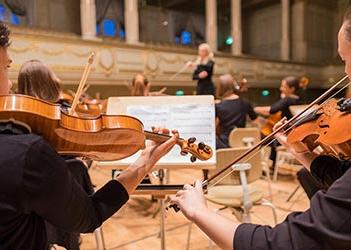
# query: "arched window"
2, 12
6, 15
109, 27
15, 20
185, 37
109, 17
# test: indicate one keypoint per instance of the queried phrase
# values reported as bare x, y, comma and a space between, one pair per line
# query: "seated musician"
325, 225
36, 185
288, 96
288, 90
231, 112
141, 87
38, 80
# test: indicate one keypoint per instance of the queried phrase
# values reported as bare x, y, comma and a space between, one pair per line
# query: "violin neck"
160, 137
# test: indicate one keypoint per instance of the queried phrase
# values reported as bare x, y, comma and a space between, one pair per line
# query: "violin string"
261, 150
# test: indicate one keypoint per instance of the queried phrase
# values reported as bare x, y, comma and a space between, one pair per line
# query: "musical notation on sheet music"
192, 116
191, 120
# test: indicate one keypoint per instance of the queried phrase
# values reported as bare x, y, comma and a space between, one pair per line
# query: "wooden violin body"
96, 138
327, 127
267, 127
104, 138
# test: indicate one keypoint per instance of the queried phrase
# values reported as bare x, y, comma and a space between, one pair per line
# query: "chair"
267, 164
240, 137
249, 137
237, 190
99, 239
285, 161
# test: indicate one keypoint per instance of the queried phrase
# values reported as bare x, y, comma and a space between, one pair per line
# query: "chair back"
239, 136
226, 155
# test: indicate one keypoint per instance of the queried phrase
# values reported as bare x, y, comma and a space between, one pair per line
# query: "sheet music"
191, 120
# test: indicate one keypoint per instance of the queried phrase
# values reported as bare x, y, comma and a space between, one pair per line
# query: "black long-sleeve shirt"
36, 185
326, 225
232, 114
204, 85
283, 105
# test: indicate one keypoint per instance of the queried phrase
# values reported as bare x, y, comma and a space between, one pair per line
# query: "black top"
36, 185
326, 170
326, 225
283, 105
232, 114
208, 67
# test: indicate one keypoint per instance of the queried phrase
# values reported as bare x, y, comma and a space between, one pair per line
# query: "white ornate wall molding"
117, 62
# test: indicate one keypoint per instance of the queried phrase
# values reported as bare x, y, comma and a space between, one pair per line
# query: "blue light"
109, 27
122, 33
265, 92
229, 40
15, 19
2, 12
185, 37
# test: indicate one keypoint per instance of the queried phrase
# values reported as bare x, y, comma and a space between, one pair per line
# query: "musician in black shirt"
38, 80
204, 70
326, 225
36, 184
232, 111
288, 89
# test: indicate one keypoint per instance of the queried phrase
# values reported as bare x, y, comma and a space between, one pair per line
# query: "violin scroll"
199, 151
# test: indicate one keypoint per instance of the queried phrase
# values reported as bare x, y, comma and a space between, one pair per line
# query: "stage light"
265, 92
229, 40
179, 92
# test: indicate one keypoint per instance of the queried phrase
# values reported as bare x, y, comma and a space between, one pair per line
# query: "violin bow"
178, 72
270, 136
82, 83
295, 118
86, 88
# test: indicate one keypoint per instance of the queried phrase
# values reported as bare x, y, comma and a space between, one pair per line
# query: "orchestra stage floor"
133, 227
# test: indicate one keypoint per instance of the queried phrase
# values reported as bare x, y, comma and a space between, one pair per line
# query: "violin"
328, 127
270, 121
103, 138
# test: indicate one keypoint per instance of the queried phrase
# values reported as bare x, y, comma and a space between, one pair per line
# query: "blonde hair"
210, 55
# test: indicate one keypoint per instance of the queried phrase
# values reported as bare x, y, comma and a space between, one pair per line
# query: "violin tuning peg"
341, 101
201, 145
191, 139
192, 158
183, 153
344, 105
